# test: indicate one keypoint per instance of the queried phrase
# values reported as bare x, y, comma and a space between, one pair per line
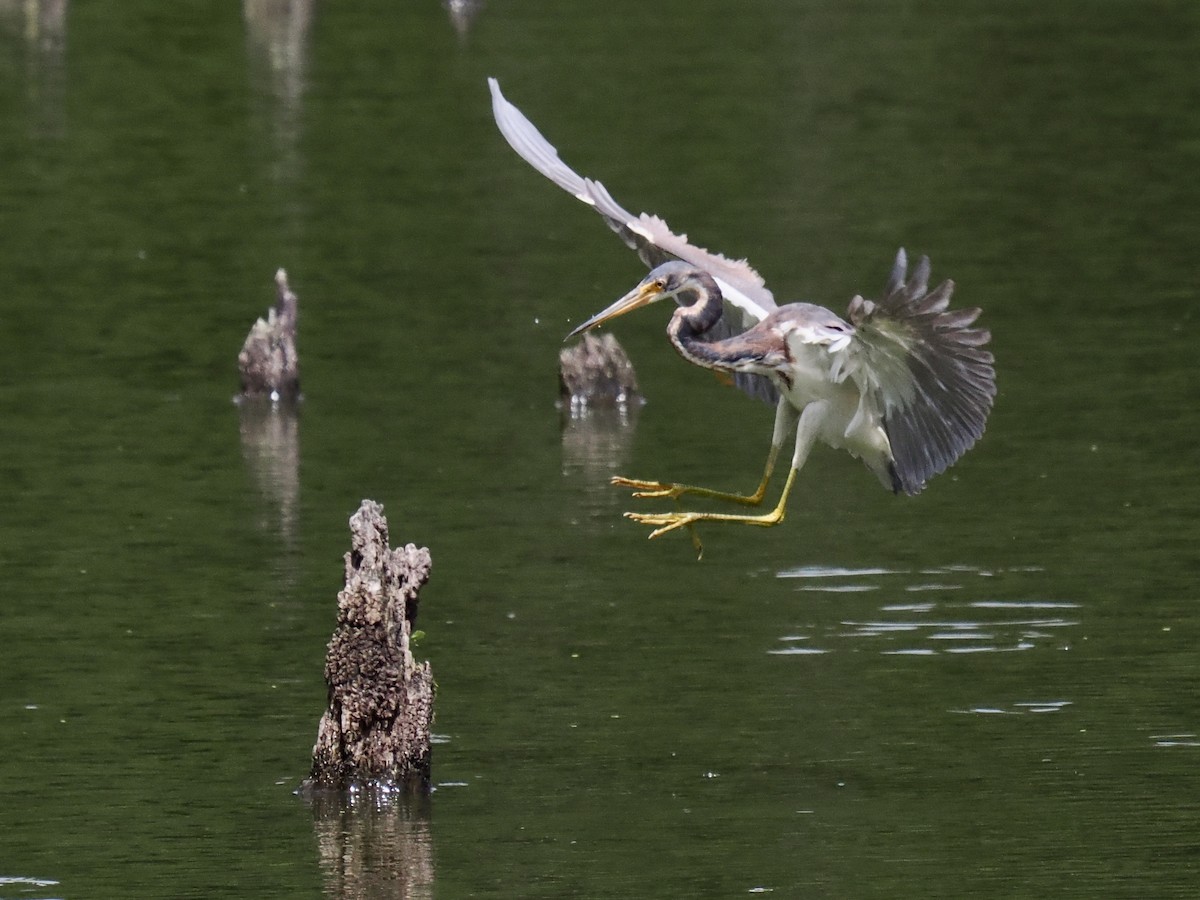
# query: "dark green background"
617, 720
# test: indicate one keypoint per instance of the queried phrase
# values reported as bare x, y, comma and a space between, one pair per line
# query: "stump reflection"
373, 843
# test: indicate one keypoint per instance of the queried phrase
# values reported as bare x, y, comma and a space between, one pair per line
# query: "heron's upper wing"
925, 370
655, 243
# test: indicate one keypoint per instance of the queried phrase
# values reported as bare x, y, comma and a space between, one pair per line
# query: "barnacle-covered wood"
268, 364
377, 726
596, 372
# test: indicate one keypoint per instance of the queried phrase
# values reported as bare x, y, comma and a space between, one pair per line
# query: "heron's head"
670, 280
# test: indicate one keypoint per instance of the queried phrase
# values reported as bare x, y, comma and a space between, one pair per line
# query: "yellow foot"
653, 489
664, 522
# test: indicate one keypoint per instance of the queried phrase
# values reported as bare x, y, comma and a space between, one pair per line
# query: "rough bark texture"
596, 372
268, 363
377, 726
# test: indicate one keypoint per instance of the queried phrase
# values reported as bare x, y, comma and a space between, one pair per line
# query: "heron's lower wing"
925, 369
655, 243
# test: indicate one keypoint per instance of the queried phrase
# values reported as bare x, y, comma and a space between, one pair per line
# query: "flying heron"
903, 383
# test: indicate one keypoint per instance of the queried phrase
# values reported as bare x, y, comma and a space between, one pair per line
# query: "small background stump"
268, 364
596, 372
377, 726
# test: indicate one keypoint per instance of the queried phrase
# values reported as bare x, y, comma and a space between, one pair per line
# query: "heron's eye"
660, 285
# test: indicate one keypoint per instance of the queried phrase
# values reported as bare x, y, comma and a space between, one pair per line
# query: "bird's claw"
664, 522
655, 490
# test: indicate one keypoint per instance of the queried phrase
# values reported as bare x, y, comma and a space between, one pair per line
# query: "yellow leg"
785, 420
660, 490
664, 522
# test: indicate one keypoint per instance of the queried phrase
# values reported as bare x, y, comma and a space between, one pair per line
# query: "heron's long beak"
638, 297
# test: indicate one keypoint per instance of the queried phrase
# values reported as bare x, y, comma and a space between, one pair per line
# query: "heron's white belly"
841, 427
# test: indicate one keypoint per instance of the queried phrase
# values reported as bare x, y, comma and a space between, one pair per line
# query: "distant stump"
377, 727
268, 364
596, 372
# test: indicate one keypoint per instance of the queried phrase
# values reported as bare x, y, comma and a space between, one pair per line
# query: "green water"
989, 690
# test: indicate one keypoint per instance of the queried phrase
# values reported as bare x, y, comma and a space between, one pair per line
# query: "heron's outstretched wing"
655, 243
925, 370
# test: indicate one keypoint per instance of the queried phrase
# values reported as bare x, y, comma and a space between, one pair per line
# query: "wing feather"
923, 368
747, 298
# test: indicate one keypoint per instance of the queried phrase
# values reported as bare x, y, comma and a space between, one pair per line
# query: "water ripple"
25, 884
1175, 740
23, 879
1024, 707
834, 572
945, 621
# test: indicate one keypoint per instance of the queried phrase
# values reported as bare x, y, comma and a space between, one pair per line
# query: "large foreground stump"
377, 726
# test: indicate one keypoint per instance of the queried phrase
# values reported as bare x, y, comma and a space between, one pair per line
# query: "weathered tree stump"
268, 364
596, 372
377, 726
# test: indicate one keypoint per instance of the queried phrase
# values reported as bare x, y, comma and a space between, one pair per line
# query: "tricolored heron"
902, 383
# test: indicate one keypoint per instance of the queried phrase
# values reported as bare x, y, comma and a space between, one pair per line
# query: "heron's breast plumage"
813, 342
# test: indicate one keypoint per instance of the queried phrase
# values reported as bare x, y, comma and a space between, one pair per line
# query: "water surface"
987, 690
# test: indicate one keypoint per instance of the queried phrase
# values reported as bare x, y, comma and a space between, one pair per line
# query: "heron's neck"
690, 323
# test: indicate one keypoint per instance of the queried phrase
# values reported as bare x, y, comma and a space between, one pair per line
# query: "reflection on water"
279, 28
270, 435
374, 843
931, 626
596, 440
45, 32
278, 36
1041, 151
596, 444
462, 14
